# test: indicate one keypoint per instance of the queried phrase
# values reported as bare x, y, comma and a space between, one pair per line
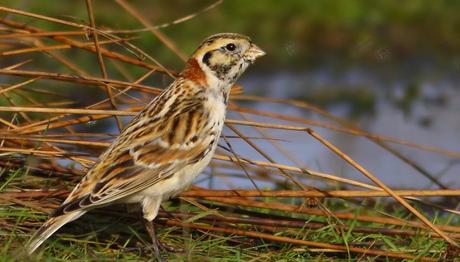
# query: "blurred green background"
295, 33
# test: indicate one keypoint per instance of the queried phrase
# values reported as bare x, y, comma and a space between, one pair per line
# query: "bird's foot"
169, 248
157, 244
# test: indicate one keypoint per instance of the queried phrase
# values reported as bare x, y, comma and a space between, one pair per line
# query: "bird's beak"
253, 52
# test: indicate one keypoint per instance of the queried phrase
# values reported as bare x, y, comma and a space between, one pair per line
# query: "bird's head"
224, 57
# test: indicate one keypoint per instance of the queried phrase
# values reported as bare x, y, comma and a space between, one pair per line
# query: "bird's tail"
50, 226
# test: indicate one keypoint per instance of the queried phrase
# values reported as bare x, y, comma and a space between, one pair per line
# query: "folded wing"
149, 152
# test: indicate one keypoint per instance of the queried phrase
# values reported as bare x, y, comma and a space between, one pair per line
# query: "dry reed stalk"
56, 47
298, 170
8, 124
75, 43
12, 87
70, 111
29, 120
46, 167
279, 222
48, 153
100, 59
59, 141
42, 34
202, 193
320, 194
348, 124
266, 156
296, 241
43, 125
346, 130
239, 201
137, 51
46, 123
17, 65
382, 185
80, 79
299, 193
163, 38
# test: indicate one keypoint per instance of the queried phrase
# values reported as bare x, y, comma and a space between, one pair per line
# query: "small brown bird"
167, 144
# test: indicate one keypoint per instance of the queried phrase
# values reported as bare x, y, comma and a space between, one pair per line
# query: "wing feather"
145, 153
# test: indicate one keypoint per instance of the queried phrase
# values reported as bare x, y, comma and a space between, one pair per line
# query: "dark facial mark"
222, 70
206, 58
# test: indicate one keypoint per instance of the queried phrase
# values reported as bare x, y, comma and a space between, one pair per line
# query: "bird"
167, 144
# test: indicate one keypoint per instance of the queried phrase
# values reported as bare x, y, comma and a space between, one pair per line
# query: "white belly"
179, 181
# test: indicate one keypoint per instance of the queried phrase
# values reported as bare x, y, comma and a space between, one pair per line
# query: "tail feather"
50, 226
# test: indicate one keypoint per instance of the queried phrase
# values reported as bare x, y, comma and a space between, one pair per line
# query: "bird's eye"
230, 47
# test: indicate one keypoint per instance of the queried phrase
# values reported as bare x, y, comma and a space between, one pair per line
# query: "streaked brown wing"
151, 154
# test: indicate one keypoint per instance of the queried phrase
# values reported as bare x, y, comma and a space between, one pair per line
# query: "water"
431, 118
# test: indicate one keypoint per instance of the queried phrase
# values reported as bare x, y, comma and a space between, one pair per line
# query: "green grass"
112, 234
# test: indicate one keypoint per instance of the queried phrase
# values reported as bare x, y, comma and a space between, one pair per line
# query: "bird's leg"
151, 230
157, 244
150, 207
